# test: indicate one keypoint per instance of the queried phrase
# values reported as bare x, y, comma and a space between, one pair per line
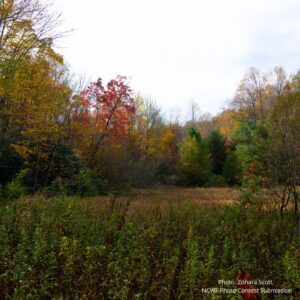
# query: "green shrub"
16, 188
57, 187
291, 263
216, 181
89, 184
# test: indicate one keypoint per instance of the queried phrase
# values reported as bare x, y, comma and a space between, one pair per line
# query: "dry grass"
163, 197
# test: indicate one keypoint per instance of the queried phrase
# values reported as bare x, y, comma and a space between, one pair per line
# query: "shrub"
16, 188
56, 187
89, 184
216, 181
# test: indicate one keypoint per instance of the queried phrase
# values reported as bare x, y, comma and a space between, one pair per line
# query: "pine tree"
216, 143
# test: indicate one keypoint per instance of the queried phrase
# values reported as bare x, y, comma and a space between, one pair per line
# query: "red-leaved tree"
106, 113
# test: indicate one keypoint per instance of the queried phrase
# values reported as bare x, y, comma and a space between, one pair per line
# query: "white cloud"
176, 50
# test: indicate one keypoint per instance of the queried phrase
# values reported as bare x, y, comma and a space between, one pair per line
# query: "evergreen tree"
216, 144
194, 160
232, 169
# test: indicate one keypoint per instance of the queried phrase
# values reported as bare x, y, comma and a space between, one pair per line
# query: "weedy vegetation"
72, 248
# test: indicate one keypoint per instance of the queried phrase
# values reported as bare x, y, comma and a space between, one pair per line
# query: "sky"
178, 50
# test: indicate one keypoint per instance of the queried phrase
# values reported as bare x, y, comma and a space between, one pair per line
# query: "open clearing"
169, 195
165, 196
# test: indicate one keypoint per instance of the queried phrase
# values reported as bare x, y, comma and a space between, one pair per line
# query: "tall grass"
75, 249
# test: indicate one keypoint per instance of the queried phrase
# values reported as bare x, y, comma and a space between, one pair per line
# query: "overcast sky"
178, 50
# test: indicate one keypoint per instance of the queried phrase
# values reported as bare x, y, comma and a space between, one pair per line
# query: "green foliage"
232, 169
89, 184
216, 181
16, 188
81, 249
65, 164
195, 134
56, 187
57, 161
216, 144
194, 160
253, 148
291, 268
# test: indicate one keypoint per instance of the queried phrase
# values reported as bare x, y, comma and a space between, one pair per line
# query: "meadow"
106, 193
165, 243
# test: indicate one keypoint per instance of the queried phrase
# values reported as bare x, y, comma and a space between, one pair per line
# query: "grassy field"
165, 243
162, 198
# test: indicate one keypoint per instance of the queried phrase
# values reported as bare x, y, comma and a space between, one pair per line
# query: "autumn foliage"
90, 176
106, 113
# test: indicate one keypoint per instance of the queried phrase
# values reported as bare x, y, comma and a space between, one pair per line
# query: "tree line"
59, 135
